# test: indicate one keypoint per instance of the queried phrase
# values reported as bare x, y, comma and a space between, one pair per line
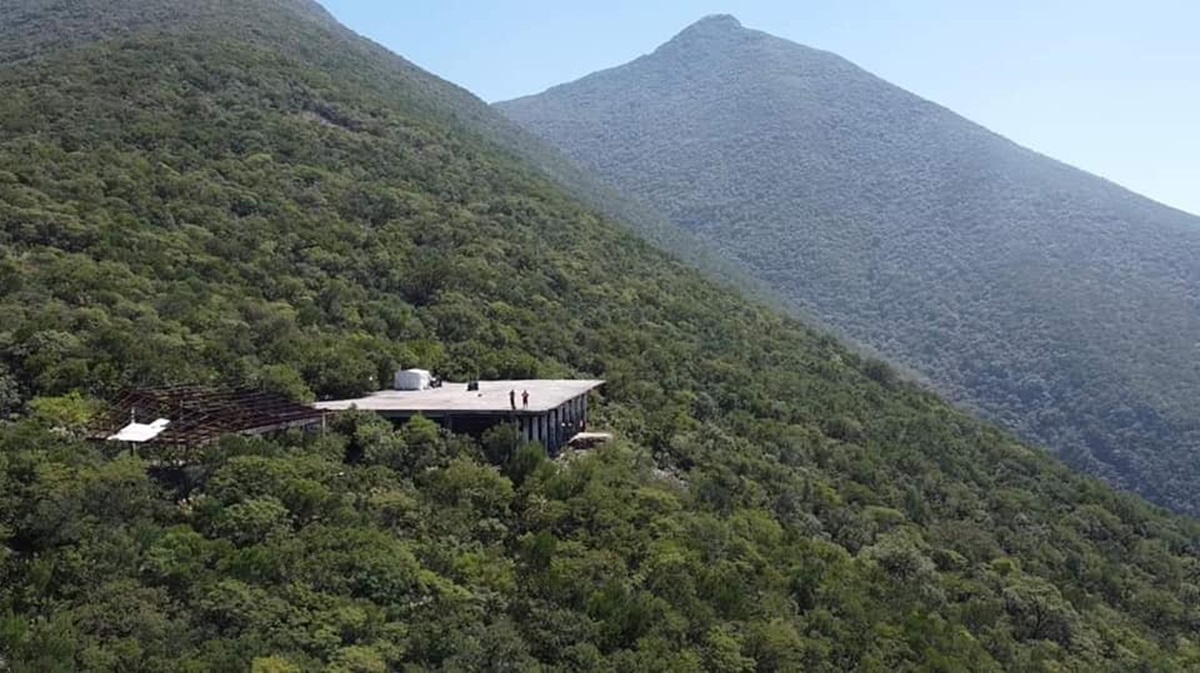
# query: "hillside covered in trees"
240, 191
1053, 302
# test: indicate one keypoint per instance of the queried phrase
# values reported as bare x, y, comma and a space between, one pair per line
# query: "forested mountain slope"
240, 191
1056, 303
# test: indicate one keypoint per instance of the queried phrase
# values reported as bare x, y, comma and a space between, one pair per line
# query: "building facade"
547, 411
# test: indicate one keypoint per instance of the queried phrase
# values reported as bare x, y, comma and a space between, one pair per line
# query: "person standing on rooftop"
525, 399
512, 398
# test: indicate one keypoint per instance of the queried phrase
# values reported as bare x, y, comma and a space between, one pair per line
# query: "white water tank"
413, 379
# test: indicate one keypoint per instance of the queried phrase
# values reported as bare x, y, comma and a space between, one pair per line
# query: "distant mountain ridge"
85, 21
1051, 300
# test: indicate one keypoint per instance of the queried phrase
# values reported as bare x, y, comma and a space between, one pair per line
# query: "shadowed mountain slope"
242, 192
1052, 301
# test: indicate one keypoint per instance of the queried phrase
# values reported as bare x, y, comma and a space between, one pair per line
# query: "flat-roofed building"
548, 411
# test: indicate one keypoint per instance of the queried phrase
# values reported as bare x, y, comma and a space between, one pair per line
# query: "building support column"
564, 425
555, 429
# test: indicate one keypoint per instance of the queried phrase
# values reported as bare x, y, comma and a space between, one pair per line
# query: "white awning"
140, 432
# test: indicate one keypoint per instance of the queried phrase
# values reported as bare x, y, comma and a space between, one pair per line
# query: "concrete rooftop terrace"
492, 397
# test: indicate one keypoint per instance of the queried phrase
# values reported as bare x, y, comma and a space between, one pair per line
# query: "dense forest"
239, 191
1046, 299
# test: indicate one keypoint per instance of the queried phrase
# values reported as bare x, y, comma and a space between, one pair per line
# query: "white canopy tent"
140, 432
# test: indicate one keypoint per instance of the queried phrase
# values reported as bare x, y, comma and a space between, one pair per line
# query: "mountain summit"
1046, 298
716, 23
712, 25
712, 34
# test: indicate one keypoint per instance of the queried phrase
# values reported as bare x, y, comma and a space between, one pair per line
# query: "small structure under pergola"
180, 419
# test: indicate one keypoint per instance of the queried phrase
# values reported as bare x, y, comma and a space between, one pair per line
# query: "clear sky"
1112, 87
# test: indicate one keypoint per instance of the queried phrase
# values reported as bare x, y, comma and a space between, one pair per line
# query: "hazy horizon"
1097, 85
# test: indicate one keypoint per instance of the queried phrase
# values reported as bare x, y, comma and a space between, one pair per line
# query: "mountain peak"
718, 22
713, 25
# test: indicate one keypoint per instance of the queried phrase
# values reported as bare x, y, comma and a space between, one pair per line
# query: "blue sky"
1111, 87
